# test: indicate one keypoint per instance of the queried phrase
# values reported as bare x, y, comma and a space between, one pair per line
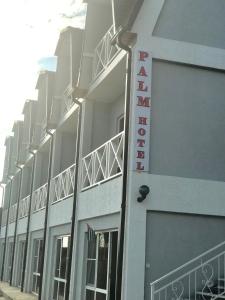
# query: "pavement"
8, 292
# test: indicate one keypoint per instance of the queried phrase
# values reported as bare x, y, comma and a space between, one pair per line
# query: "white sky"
29, 30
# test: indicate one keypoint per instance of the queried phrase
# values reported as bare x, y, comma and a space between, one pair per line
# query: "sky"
29, 31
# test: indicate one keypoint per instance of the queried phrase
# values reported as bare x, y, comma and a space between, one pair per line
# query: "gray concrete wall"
22, 226
101, 200
60, 212
68, 149
86, 135
15, 188
100, 125
56, 153
95, 27
26, 181
7, 195
117, 109
37, 220
195, 21
41, 167
174, 239
187, 122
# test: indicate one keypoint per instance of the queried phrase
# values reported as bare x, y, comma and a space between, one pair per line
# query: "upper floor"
186, 103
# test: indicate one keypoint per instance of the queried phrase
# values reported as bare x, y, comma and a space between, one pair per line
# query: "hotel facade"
114, 180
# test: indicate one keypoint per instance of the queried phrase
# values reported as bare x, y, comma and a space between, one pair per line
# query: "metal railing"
4, 216
67, 98
62, 185
12, 213
194, 279
104, 53
39, 198
103, 163
24, 207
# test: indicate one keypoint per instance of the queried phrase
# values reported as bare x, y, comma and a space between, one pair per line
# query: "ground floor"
174, 243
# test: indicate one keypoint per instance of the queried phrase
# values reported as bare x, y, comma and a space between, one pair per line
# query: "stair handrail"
187, 263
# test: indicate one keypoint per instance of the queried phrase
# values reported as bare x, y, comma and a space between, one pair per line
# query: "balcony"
24, 207
39, 134
104, 53
12, 213
67, 99
62, 185
103, 163
39, 198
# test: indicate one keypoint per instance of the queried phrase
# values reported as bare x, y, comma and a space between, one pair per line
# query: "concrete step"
13, 293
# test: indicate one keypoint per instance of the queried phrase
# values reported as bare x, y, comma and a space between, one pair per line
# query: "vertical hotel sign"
142, 109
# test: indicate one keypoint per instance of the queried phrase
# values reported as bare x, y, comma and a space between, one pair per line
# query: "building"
114, 181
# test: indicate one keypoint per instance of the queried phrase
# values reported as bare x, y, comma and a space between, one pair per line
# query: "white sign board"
142, 109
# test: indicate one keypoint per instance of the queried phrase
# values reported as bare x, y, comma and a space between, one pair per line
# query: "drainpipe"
75, 194
28, 223
2, 185
120, 253
46, 211
6, 230
16, 223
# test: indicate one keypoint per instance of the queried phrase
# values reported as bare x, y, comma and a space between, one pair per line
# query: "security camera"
144, 191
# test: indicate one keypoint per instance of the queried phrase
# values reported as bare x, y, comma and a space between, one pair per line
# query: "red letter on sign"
141, 86
142, 131
139, 166
142, 72
140, 143
140, 154
143, 55
143, 101
142, 120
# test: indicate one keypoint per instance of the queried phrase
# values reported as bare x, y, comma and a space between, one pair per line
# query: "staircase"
202, 278
216, 291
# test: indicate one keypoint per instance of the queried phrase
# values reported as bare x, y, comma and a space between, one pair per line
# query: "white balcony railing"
24, 207
39, 198
103, 163
67, 98
104, 53
62, 185
195, 279
12, 213
4, 216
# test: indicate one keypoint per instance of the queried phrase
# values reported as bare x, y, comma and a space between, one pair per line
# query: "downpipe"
46, 212
28, 223
75, 192
120, 253
6, 230
3, 195
16, 224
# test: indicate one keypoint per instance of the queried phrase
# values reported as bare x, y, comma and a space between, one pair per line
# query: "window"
60, 272
38, 252
20, 262
101, 266
10, 259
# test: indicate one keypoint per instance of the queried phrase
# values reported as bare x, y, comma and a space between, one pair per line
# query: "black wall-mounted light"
144, 191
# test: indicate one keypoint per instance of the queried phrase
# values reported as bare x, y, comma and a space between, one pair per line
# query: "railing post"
92, 175
66, 183
108, 158
152, 291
